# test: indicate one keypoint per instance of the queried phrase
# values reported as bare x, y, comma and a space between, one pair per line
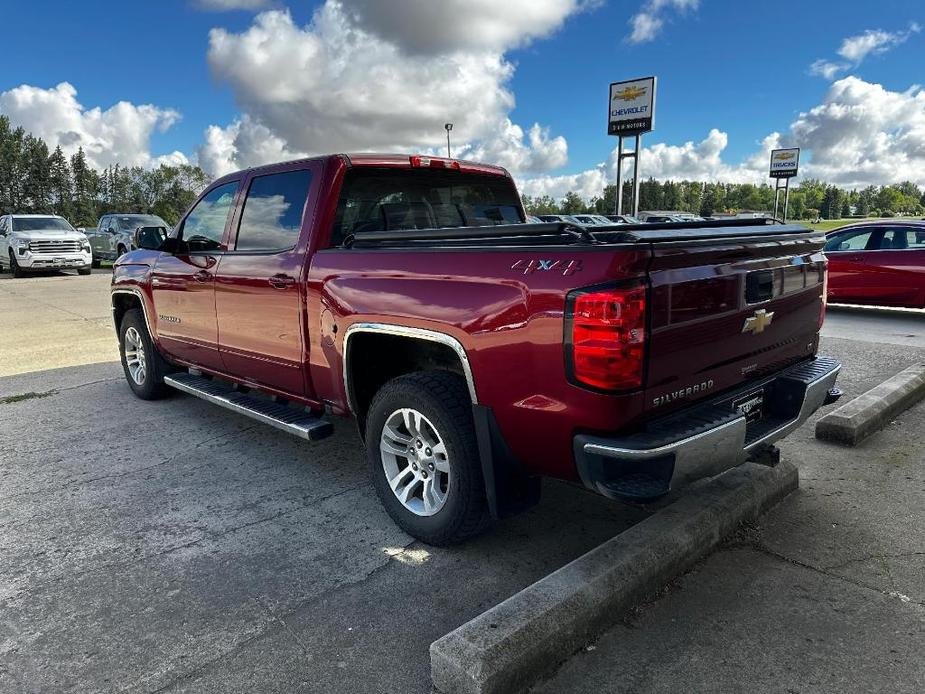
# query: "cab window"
204, 226
272, 214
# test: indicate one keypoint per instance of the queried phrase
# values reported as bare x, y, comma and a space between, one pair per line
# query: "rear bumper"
705, 439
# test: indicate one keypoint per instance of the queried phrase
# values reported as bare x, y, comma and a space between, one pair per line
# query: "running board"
291, 420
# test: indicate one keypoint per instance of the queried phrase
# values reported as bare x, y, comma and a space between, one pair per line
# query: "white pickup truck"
33, 242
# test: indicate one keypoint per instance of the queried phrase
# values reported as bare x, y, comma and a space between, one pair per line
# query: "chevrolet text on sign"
784, 162
632, 107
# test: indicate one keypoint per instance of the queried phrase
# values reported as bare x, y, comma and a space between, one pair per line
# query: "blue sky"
742, 68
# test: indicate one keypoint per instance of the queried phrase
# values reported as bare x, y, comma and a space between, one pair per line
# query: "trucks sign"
784, 162
632, 107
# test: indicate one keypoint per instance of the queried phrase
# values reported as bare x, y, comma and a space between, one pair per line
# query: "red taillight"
418, 161
608, 337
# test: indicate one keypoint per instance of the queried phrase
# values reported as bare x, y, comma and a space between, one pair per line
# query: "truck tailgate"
728, 306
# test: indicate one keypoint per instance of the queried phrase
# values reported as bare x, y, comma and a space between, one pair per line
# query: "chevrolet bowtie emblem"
757, 323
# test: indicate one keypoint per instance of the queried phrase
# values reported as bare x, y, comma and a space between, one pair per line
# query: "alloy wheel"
135, 356
415, 461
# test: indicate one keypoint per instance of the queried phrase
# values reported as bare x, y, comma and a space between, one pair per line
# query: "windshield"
133, 221
41, 224
395, 199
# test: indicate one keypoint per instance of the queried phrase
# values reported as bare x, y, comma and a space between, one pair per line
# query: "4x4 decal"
565, 267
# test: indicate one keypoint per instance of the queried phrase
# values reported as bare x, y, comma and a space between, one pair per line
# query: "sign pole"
776, 195
786, 198
618, 202
636, 174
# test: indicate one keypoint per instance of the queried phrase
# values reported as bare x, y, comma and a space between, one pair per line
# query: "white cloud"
120, 134
864, 134
855, 49
648, 22
827, 68
222, 5
436, 27
359, 78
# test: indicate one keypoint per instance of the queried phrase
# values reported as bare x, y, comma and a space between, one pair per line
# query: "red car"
879, 263
476, 353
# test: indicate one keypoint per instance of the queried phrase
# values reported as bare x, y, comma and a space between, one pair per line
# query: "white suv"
42, 242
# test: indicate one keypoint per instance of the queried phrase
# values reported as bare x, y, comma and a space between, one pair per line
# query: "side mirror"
150, 238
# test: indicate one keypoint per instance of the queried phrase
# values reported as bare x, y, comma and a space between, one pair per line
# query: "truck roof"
396, 161
37, 215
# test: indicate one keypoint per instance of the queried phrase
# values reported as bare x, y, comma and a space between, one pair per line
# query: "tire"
84, 270
120, 251
442, 401
15, 270
148, 384
96, 263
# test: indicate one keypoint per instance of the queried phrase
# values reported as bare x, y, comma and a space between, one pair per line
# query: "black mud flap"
508, 488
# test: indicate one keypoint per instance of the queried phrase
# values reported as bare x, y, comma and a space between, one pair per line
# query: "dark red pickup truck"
477, 353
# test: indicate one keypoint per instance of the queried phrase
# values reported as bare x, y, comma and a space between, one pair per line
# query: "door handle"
281, 281
203, 276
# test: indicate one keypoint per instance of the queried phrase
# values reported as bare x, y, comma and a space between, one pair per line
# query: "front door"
183, 283
259, 288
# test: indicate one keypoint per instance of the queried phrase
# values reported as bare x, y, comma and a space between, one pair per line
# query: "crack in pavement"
206, 536
80, 482
757, 546
281, 623
871, 557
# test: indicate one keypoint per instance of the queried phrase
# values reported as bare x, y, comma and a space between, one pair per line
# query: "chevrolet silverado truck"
33, 242
477, 353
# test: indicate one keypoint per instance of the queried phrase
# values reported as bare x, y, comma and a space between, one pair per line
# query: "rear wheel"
84, 271
143, 365
423, 457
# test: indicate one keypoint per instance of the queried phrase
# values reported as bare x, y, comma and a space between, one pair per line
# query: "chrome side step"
298, 422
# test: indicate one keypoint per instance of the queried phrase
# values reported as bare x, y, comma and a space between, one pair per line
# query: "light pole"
448, 127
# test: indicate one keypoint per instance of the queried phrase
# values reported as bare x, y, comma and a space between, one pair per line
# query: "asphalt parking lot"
173, 546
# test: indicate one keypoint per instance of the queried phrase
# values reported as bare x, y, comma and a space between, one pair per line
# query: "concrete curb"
853, 422
514, 644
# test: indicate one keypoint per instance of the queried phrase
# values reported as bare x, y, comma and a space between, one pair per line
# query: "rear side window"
272, 215
205, 224
395, 199
850, 241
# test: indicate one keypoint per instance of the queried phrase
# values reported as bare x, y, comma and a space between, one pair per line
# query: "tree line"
37, 180
810, 199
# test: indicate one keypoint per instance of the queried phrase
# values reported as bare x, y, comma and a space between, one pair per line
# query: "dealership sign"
632, 107
784, 162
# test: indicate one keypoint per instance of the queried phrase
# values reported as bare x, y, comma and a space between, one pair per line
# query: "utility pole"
448, 127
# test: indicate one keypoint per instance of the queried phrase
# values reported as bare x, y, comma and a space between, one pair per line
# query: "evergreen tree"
59, 178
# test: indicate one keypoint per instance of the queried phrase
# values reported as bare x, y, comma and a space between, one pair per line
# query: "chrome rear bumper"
705, 439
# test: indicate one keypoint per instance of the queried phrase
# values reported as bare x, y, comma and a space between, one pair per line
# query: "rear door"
891, 271
183, 283
728, 311
259, 287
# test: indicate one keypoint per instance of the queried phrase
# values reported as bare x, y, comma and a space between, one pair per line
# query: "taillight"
825, 292
606, 337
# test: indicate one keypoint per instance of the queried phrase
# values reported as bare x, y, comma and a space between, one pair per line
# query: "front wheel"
423, 457
143, 365
15, 270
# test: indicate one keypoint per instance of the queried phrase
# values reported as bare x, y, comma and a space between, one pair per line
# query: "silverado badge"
757, 323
